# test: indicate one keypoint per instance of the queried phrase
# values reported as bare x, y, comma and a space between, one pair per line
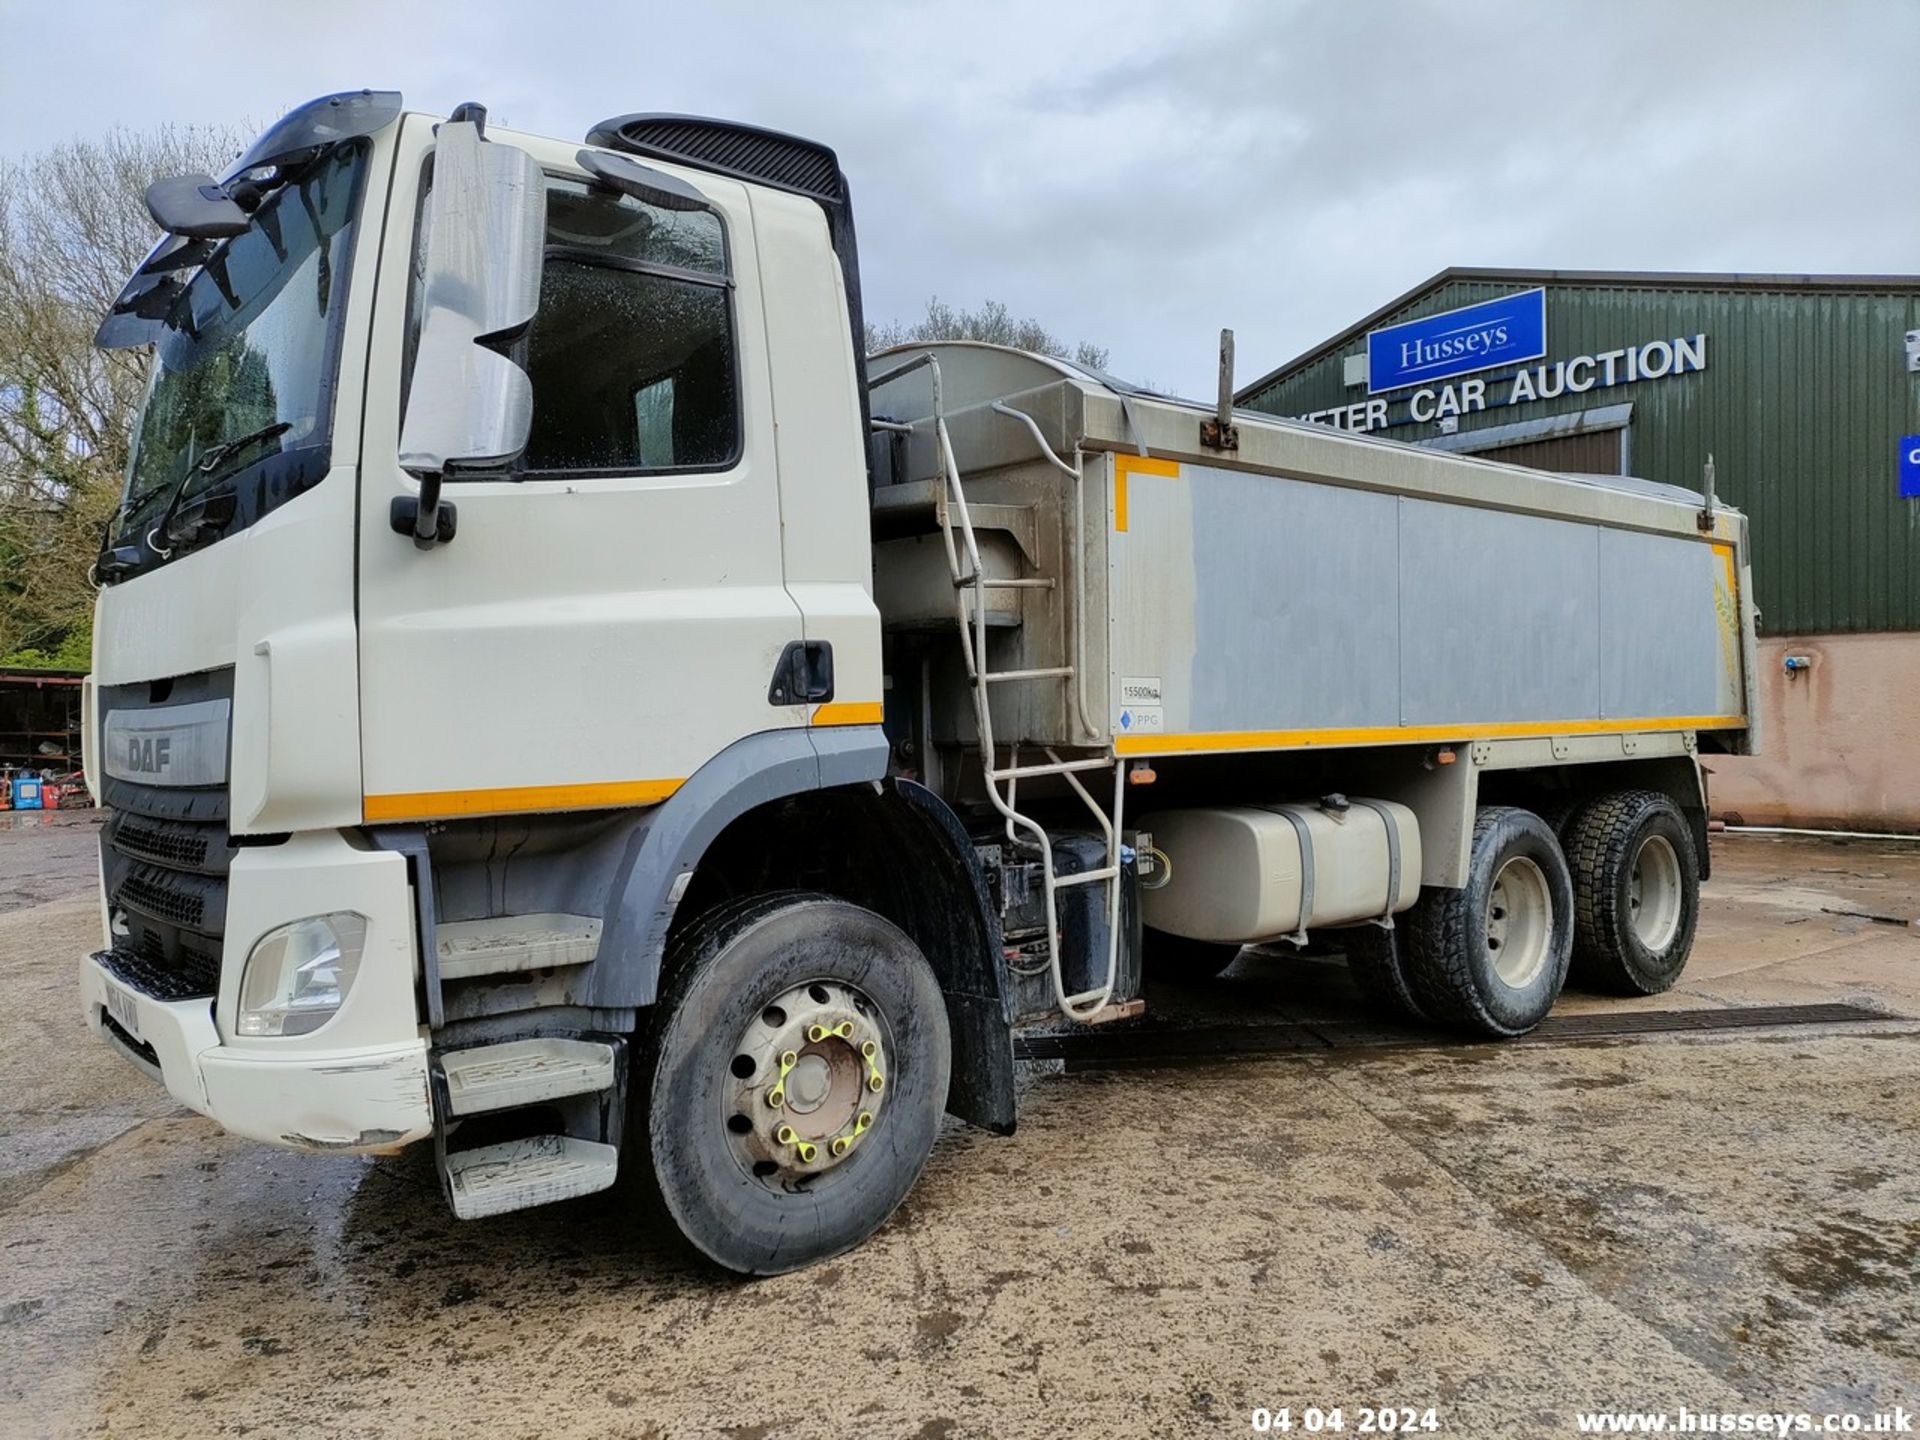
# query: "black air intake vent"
744, 151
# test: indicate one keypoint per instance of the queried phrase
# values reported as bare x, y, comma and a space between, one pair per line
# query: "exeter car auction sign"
1435, 365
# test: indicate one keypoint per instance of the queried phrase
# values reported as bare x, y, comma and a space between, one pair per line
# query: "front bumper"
364, 1100
359, 1082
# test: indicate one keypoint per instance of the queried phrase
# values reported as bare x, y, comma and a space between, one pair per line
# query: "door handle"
803, 675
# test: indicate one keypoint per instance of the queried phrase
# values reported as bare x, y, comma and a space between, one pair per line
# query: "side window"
632, 354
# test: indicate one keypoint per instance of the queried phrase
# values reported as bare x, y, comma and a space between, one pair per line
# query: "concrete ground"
1505, 1233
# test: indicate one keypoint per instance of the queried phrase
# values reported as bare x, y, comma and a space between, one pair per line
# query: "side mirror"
486, 232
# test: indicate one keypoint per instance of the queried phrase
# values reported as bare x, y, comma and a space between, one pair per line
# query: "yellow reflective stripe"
447, 804
1126, 465
1409, 734
1725, 552
847, 712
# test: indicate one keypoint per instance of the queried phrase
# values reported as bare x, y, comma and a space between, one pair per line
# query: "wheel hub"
806, 1082
1519, 922
1654, 890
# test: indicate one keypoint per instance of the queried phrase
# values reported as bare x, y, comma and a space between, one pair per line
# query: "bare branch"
992, 322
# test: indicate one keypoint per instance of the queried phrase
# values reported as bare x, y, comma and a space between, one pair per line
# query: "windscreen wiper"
113, 561
202, 466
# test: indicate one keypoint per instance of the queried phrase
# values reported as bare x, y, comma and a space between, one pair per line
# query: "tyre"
1491, 957
1636, 893
1180, 961
791, 1081
1376, 958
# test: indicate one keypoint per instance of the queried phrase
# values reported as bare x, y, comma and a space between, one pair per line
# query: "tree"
73, 226
992, 322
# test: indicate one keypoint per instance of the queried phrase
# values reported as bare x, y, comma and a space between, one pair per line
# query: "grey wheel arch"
930, 883
666, 844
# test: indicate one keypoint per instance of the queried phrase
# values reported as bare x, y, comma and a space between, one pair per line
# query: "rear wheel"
1180, 961
1636, 886
792, 1085
1492, 956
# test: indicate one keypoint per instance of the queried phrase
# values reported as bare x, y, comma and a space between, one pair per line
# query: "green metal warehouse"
1805, 390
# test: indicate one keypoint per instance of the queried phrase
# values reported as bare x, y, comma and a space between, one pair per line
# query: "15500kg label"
1140, 712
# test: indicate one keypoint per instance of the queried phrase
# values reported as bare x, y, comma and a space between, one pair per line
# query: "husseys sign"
1458, 346
1487, 336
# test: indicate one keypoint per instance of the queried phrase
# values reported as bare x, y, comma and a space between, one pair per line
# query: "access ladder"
1002, 783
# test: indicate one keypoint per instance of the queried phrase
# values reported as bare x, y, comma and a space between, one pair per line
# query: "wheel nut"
844, 1029
841, 1146
785, 1135
868, 1049
777, 1096
817, 1033
807, 1151
860, 1125
875, 1082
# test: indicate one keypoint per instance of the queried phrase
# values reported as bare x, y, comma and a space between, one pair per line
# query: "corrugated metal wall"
1802, 404
1595, 453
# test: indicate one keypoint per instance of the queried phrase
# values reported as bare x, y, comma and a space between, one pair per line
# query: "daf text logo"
172, 745
148, 754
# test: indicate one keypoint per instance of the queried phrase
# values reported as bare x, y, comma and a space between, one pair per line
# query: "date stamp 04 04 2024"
1338, 1420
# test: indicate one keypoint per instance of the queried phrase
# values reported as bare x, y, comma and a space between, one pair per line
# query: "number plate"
125, 1011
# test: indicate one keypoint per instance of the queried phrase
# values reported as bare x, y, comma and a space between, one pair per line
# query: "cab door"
610, 610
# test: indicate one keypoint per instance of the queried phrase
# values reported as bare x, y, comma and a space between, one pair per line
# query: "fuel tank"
1248, 873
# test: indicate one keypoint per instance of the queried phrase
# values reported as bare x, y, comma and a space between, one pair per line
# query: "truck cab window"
632, 354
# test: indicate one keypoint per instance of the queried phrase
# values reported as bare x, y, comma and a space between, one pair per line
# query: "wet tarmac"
1507, 1234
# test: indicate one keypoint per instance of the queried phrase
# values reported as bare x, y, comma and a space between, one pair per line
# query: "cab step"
524, 1072
520, 1174
510, 943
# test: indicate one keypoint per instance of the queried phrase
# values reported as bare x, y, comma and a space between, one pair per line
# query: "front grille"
149, 892
172, 843
164, 853
167, 923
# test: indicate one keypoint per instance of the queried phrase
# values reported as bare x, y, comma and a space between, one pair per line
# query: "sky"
1137, 174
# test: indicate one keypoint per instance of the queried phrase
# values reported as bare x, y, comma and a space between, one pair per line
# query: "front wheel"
793, 1082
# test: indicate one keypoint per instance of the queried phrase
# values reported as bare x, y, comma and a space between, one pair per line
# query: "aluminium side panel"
1254, 611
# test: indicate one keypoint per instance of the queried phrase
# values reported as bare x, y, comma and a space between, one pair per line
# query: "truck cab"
307, 719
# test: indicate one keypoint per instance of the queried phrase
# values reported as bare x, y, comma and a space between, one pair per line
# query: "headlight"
298, 975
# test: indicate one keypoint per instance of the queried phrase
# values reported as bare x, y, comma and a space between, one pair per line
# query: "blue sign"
1509, 331
1910, 467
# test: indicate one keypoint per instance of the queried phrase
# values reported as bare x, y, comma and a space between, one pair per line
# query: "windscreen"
243, 372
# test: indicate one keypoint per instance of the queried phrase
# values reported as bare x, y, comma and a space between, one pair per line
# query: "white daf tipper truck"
556, 702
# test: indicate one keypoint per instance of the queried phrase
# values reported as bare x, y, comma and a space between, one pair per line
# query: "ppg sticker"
1910, 467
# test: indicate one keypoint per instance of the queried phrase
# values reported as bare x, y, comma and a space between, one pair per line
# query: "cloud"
1142, 174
